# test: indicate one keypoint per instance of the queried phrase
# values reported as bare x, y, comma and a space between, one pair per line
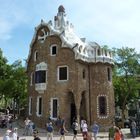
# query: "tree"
126, 71
19, 85
13, 83
3, 74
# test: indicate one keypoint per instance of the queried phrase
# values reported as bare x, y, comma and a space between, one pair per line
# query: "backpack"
75, 126
49, 128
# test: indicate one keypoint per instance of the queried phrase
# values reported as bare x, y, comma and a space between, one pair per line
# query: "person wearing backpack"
49, 127
95, 130
75, 129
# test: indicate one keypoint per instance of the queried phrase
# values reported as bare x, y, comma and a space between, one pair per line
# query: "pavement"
69, 136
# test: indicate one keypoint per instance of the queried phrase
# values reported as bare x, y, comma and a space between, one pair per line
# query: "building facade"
68, 76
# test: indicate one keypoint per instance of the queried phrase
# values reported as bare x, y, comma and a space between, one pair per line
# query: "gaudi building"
68, 76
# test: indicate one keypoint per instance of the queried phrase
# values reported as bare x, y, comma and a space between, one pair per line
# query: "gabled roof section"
89, 52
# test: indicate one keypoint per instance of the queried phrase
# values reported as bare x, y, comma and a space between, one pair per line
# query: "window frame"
38, 75
51, 49
58, 73
101, 106
109, 74
84, 74
38, 106
35, 55
30, 105
32, 79
52, 107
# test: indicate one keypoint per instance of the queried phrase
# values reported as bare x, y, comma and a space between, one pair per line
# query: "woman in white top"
15, 134
84, 130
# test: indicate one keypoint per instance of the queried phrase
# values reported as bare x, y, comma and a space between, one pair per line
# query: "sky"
115, 23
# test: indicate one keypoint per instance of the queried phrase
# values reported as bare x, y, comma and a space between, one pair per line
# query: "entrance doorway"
83, 107
73, 112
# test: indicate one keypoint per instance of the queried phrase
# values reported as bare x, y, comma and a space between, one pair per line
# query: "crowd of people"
6, 121
14, 134
115, 133
88, 132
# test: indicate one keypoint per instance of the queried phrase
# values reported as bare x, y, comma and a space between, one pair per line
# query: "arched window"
102, 105
54, 108
84, 74
39, 106
36, 56
53, 50
108, 74
32, 79
30, 105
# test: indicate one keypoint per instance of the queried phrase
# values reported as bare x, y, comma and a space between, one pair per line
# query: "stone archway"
73, 112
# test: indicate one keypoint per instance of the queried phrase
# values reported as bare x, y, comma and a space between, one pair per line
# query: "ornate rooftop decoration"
90, 52
61, 9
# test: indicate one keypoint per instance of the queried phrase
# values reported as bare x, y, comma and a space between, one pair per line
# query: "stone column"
87, 107
77, 105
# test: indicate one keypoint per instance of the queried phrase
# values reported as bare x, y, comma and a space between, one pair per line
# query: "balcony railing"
40, 86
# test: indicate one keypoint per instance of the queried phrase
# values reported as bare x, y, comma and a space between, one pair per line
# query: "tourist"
58, 123
112, 131
133, 129
26, 129
49, 128
75, 129
31, 127
62, 131
6, 136
81, 124
117, 135
84, 128
95, 130
122, 136
15, 134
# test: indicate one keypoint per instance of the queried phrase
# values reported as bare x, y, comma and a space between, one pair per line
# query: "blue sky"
115, 23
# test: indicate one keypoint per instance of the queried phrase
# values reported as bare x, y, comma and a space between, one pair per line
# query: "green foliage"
125, 78
13, 82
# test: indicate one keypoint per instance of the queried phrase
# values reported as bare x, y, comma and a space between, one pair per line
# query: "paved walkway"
69, 135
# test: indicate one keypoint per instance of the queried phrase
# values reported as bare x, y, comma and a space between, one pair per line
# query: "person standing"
58, 122
95, 130
15, 134
31, 127
26, 129
133, 129
122, 136
84, 128
117, 135
75, 129
6, 136
81, 124
62, 131
49, 127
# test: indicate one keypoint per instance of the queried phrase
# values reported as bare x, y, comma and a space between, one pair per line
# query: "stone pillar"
78, 115
87, 108
77, 105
